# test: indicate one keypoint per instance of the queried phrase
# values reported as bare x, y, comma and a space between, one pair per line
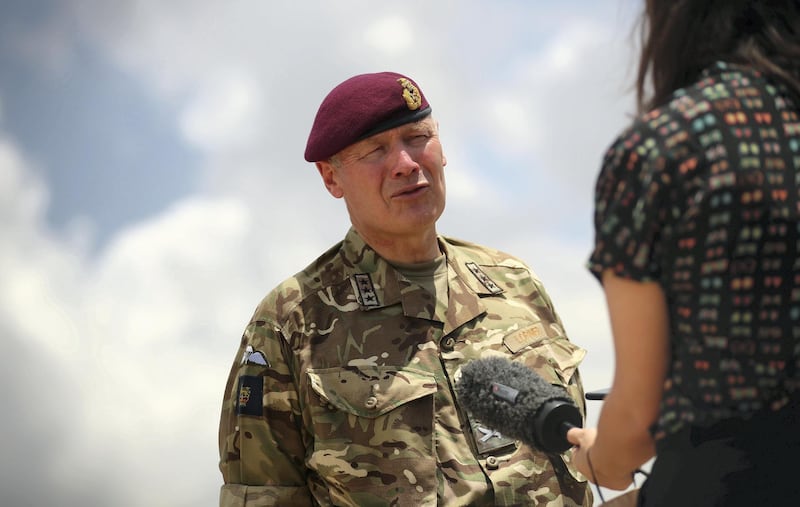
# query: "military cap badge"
410, 94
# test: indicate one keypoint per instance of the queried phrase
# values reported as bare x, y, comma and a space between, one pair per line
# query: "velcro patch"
490, 441
251, 395
366, 290
522, 338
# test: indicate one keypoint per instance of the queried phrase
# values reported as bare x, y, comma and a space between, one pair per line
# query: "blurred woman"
697, 239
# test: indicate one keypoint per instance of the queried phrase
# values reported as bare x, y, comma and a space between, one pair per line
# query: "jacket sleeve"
260, 441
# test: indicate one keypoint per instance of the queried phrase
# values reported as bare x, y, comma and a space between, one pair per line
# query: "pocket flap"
560, 353
567, 356
370, 391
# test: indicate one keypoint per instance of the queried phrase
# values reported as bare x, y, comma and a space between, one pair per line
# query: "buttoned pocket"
374, 433
371, 391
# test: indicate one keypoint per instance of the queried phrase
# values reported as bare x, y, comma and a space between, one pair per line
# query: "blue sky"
153, 189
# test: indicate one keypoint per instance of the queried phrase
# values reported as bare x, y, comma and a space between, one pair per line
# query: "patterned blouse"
701, 196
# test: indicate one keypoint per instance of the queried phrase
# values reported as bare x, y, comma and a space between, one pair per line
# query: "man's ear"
330, 178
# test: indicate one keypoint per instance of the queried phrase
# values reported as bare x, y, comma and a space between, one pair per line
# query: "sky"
153, 190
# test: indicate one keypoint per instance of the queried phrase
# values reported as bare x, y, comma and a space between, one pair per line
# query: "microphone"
517, 402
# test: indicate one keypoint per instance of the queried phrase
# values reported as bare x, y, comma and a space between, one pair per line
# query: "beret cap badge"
410, 94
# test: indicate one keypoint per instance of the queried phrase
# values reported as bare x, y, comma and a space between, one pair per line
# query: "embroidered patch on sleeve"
257, 357
252, 356
251, 395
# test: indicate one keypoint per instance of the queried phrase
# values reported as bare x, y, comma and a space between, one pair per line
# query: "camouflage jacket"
342, 392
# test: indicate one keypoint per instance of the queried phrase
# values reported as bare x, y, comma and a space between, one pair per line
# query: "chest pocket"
370, 391
371, 423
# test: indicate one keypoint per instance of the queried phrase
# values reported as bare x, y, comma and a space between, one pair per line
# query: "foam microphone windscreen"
516, 401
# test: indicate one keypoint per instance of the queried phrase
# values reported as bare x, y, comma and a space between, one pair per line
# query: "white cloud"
142, 336
162, 270
224, 112
512, 120
22, 195
37, 270
392, 34
567, 53
567, 100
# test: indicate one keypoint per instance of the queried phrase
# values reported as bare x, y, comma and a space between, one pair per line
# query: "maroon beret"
362, 106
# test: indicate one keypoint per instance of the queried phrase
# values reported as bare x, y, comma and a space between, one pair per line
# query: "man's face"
393, 182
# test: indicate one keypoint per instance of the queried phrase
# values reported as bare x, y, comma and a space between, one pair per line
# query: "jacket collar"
378, 285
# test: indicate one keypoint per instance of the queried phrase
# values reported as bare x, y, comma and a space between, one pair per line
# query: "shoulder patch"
252, 356
251, 395
257, 357
483, 278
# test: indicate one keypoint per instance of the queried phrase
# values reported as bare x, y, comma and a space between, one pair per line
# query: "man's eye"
373, 153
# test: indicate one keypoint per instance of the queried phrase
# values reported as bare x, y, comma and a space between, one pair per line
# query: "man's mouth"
411, 191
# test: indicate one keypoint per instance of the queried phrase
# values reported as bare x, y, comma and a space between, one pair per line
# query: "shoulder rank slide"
366, 290
484, 278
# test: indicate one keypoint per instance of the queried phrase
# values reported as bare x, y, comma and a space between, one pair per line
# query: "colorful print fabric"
701, 196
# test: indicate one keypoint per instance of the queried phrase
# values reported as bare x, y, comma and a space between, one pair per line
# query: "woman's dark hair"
682, 37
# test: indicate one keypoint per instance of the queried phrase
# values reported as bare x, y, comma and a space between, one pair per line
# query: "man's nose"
403, 162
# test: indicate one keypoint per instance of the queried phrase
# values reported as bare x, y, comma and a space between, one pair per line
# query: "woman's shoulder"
720, 89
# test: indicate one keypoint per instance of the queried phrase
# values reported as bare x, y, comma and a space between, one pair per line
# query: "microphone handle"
551, 424
566, 426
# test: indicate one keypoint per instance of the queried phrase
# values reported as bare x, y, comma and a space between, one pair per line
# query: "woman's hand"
582, 439
586, 462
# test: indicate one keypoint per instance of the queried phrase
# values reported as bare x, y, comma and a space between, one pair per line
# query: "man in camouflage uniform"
342, 392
